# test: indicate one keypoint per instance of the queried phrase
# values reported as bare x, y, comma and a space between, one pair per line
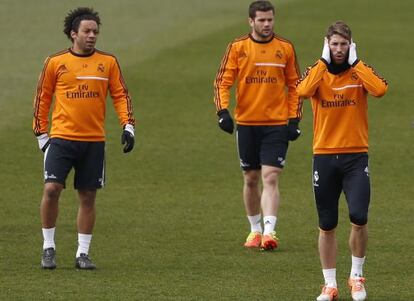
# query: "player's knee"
327, 224
270, 176
87, 198
270, 180
358, 218
51, 193
52, 190
251, 179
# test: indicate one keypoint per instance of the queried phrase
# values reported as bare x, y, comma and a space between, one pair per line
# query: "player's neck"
82, 52
260, 38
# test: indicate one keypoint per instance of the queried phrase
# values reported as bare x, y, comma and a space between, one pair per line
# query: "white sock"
84, 241
49, 238
269, 222
255, 225
330, 277
357, 264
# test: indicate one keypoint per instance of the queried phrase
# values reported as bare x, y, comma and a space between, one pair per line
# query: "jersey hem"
284, 122
332, 151
83, 139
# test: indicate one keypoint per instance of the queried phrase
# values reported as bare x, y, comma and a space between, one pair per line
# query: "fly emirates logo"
338, 102
260, 76
83, 92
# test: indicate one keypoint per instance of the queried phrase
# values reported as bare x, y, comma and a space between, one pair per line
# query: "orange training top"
266, 73
340, 108
80, 85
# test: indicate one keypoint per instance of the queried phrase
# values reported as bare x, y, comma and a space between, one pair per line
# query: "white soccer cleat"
357, 287
328, 294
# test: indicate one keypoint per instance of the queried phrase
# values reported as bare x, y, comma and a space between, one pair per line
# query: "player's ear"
73, 34
251, 22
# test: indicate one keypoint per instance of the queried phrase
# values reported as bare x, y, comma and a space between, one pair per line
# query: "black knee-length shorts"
262, 145
333, 174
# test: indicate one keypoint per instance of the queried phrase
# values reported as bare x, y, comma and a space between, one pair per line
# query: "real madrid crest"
315, 178
354, 76
101, 68
279, 54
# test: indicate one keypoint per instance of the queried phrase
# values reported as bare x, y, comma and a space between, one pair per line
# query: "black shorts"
87, 158
262, 145
333, 174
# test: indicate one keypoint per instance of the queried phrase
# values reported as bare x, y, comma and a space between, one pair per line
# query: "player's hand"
127, 138
352, 57
326, 53
43, 141
225, 121
293, 129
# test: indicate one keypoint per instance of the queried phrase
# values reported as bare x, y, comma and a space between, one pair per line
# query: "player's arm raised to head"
120, 95
372, 82
43, 98
225, 78
309, 82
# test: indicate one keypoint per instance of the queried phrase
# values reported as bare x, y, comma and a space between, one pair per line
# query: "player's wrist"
294, 121
355, 63
223, 112
42, 136
324, 61
130, 129
43, 141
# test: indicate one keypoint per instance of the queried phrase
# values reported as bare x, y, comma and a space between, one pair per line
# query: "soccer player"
79, 79
267, 113
338, 85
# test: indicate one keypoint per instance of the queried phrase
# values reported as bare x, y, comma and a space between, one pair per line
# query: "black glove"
293, 129
127, 138
225, 122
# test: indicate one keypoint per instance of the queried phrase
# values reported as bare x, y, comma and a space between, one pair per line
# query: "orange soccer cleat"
269, 241
253, 240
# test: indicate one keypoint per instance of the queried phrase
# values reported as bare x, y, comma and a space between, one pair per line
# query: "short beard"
264, 36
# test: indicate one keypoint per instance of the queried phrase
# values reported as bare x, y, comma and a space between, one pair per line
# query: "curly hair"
74, 17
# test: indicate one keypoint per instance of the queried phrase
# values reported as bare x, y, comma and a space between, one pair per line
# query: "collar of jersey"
261, 42
81, 55
338, 68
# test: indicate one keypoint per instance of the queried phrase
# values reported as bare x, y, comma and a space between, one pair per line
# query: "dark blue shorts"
262, 145
333, 174
86, 158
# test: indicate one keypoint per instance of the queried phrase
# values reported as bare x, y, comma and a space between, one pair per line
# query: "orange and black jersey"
266, 74
339, 104
80, 84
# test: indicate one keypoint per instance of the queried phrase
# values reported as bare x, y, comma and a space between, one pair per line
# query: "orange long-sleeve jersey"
339, 104
266, 74
80, 85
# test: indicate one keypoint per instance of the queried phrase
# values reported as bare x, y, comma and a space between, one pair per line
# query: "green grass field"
170, 222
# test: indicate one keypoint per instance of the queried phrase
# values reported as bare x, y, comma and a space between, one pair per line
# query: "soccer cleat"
357, 287
83, 262
269, 241
48, 259
253, 240
328, 294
